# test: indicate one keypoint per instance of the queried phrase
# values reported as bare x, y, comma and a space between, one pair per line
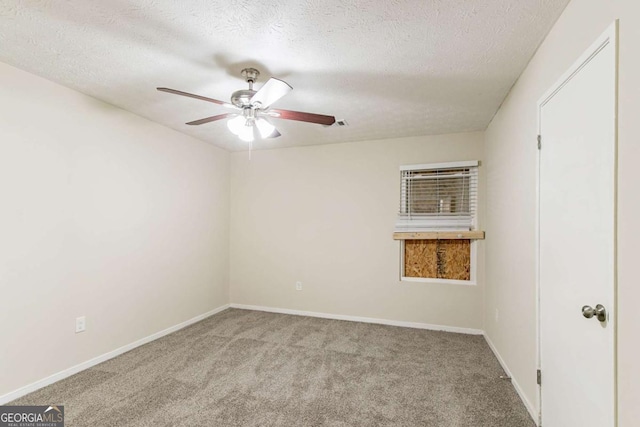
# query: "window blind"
438, 197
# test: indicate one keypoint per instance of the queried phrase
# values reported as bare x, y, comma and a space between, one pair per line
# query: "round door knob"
600, 312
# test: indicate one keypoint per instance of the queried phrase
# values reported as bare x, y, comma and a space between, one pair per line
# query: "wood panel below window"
438, 259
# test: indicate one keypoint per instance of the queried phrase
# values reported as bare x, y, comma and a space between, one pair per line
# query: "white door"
577, 208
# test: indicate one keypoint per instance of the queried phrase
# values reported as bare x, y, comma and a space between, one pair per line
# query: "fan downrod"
242, 98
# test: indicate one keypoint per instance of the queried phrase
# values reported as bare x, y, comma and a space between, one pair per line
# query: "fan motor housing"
242, 98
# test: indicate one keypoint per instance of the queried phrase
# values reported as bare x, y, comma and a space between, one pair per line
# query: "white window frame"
473, 244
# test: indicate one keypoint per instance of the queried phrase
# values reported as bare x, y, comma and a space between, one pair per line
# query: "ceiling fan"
253, 108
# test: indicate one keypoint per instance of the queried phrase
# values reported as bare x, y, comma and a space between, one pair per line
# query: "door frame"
609, 37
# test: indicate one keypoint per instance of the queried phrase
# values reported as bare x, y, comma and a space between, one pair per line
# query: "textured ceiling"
391, 68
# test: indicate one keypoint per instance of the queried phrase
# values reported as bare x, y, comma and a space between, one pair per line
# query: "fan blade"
275, 134
191, 95
303, 117
270, 92
211, 119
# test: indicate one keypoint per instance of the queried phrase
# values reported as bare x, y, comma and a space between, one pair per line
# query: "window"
438, 197
436, 220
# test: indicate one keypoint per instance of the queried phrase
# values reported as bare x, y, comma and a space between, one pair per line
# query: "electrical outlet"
497, 315
81, 324
298, 286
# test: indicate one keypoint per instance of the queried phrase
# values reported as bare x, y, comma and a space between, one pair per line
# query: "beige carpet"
249, 368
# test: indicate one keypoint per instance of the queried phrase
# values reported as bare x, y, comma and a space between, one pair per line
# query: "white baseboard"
4, 399
530, 407
102, 358
360, 319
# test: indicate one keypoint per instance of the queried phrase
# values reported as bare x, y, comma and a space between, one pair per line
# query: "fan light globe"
236, 125
246, 134
265, 128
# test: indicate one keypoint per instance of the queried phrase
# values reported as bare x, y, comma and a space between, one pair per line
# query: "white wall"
324, 215
103, 214
511, 206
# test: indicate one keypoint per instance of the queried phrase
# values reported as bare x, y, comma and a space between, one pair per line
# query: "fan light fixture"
244, 128
236, 124
265, 128
246, 133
